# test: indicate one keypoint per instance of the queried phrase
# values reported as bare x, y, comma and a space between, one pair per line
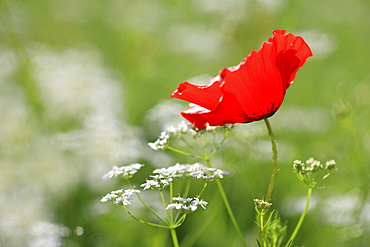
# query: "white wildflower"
161, 143
123, 171
186, 205
150, 184
180, 130
330, 164
261, 204
122, 197
309, 172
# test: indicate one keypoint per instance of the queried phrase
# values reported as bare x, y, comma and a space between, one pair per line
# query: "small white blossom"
161, 143
198, 202
261, 204
229, 126
330, 164
194, 133
166, 182
211, 128
150, 184
199, 171
121, 196
123, 171
220, 173
180, 130
186, 205
195, 170
172, 171
176, 205
309, 172
197, 132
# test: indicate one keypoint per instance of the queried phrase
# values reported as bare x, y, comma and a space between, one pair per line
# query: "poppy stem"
275, 168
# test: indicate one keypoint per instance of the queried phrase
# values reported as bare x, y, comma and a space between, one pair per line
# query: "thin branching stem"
184, 153
146, 205
301, 219
219, 145
145, 222
228, 209
190, 146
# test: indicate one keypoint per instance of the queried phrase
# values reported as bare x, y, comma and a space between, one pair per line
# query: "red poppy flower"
250, 91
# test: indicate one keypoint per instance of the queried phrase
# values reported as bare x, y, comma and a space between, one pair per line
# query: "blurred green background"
85, 85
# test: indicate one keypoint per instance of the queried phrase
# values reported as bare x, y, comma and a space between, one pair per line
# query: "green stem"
146, 205
180, 221
261, 227
203, 189
228, 207
184, 153
299, 224
187, 187
230, 212
275, 168
205, 149
170, 219
220, 144
189, 146
171, 196
174, 237
145, 222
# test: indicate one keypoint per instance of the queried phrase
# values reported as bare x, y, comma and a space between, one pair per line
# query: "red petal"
204, 96
292, 53
260, 81
227, 111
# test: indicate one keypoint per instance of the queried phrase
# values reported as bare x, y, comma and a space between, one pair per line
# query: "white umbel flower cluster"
195, 170
120, 197
311, 165
262, 204
161, 143
157, 182
123, 171
181, 129
186, 204
313, 171
164, 176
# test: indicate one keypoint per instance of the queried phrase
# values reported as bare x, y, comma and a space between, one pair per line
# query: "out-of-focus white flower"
180, 129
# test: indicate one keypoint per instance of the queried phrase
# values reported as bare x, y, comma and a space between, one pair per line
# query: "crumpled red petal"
262, 78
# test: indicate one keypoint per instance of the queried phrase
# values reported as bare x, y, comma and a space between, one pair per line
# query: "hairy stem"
274, 172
